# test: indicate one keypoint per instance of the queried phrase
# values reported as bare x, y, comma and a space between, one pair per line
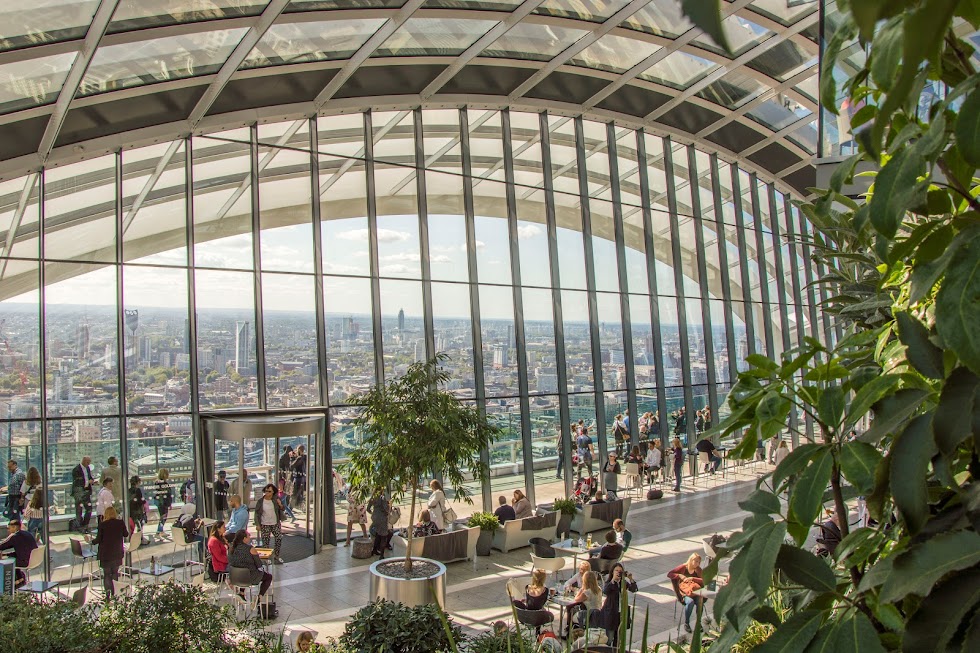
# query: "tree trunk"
410, 529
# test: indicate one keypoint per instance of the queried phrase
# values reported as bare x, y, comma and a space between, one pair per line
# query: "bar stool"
241, 578
177, 534
633, 480
83, 553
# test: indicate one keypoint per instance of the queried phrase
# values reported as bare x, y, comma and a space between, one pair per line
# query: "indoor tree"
414, 427
903, 272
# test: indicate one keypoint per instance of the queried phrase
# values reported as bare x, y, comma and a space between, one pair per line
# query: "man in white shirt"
105, 498
653, 460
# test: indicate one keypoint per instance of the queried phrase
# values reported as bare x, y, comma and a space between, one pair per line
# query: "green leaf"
894, 189
858, 461
957, 166
761, 556
858, 545
915, 571
958, 305
765, 614
953, 420
910, 455
806, 569
856, 635
892, 412
870, 394
831, 406
794, 462
939, 615
706, 14
805, 501
924, 356
795, 633
761, 502
968, 129
886, 52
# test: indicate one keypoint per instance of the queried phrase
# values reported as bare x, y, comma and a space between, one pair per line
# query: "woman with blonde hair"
688, 580
110, 537
535, 594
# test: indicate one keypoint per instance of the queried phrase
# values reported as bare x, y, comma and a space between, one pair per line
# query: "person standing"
378, 507
15, 483
678, 452
620, 433
584, 445
608, 616
105, 499
356, 513
111, 536
299, 476
31, 484
113, 472
34, 512
437, 504
268, 519
560, 448
285, 461
610, 476
137, 503
221, 487
164, 497
81, 492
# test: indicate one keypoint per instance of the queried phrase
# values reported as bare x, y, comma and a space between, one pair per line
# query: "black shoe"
687, 628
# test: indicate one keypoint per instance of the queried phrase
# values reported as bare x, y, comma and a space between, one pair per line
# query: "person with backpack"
620, 433
678, 452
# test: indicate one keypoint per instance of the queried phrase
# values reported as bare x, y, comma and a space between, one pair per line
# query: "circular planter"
409, 591
484, 542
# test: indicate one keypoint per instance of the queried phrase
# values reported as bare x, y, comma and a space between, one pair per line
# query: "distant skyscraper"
401, 319
241, 346
510, 336
83, 341
500, 357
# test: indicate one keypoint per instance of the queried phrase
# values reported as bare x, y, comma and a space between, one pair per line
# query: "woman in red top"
687, 578
218, 550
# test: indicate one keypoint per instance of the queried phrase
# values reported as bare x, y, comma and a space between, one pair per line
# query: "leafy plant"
902, 274
29, 624
413, 428
387, 627
487, 521
565, 506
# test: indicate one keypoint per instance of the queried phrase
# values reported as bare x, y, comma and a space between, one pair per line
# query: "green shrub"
565, 506
387, 627
487, 521
27, 624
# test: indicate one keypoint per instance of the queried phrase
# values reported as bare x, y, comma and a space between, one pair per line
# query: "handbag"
448, 515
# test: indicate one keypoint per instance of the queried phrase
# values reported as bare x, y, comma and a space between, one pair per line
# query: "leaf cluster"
387, 627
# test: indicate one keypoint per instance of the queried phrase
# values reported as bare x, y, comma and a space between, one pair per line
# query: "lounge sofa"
600, 516
515, 533
453, 546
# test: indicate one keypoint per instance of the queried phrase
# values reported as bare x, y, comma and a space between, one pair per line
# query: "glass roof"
185, 42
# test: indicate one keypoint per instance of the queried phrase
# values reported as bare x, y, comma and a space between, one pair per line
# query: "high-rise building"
83, 341
501, 358
401, 319
241, 346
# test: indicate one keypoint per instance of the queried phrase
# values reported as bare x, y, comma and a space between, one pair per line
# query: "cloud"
440, 258
526, 231
402, 257
340, 268
397, 268
384, 235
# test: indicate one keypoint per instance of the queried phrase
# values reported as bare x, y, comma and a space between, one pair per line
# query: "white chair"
35, 561
704, 460
177, 534
515, 590
633, 479
134, 543
551, 565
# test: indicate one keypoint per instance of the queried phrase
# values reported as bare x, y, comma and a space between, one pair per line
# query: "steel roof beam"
785, 131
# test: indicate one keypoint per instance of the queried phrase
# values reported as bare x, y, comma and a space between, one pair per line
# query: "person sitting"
305, 643
829, 537
588, 598
576, 581
242, 555
599, 498
535, 594
705, 445
505, 512
218, 551
522, 507
21, 543
654, 460
611, 550
426, 526
687, 577
238, 521
191, 526
623, 536
608, 615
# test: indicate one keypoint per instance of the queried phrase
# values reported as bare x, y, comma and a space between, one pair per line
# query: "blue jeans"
677, 478
34, 528
690, 603
715, 461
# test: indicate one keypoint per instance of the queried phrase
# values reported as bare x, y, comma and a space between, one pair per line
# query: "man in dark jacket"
505, 512
705, 445
21, 543
81, 493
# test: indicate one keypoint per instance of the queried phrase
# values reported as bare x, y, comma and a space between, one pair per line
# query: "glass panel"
604, 247
741, 336
545, 430
226, 339
476, 5
453, 333
593, 10
80, 211
314, 5
46, 21
670, 341
292, 371
294, 134
689, 263
539, 336
611, 341
695, 341
532, 239
678, 70
779, 112
499, 343
664, 261
644, 363
663, 17
350, 336
81, 353
492, 250
526, 145
581, 412
285, 214
222, 204
398, 246
742, 34
154, 204
507, 452
402, 326
32, 82
20, 213
157, 60
157, 339
433, 36
394, 141
137, 14
614, 53
440, 138
783, 11
571, 257
733, 90
578, 340
535, 42
303, 42
447, 248
20, 363
616, 412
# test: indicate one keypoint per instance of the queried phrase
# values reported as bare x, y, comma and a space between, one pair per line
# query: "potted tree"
414, 427
488, 523
566, 507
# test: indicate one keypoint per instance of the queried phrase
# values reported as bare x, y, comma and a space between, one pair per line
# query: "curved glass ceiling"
560, 50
